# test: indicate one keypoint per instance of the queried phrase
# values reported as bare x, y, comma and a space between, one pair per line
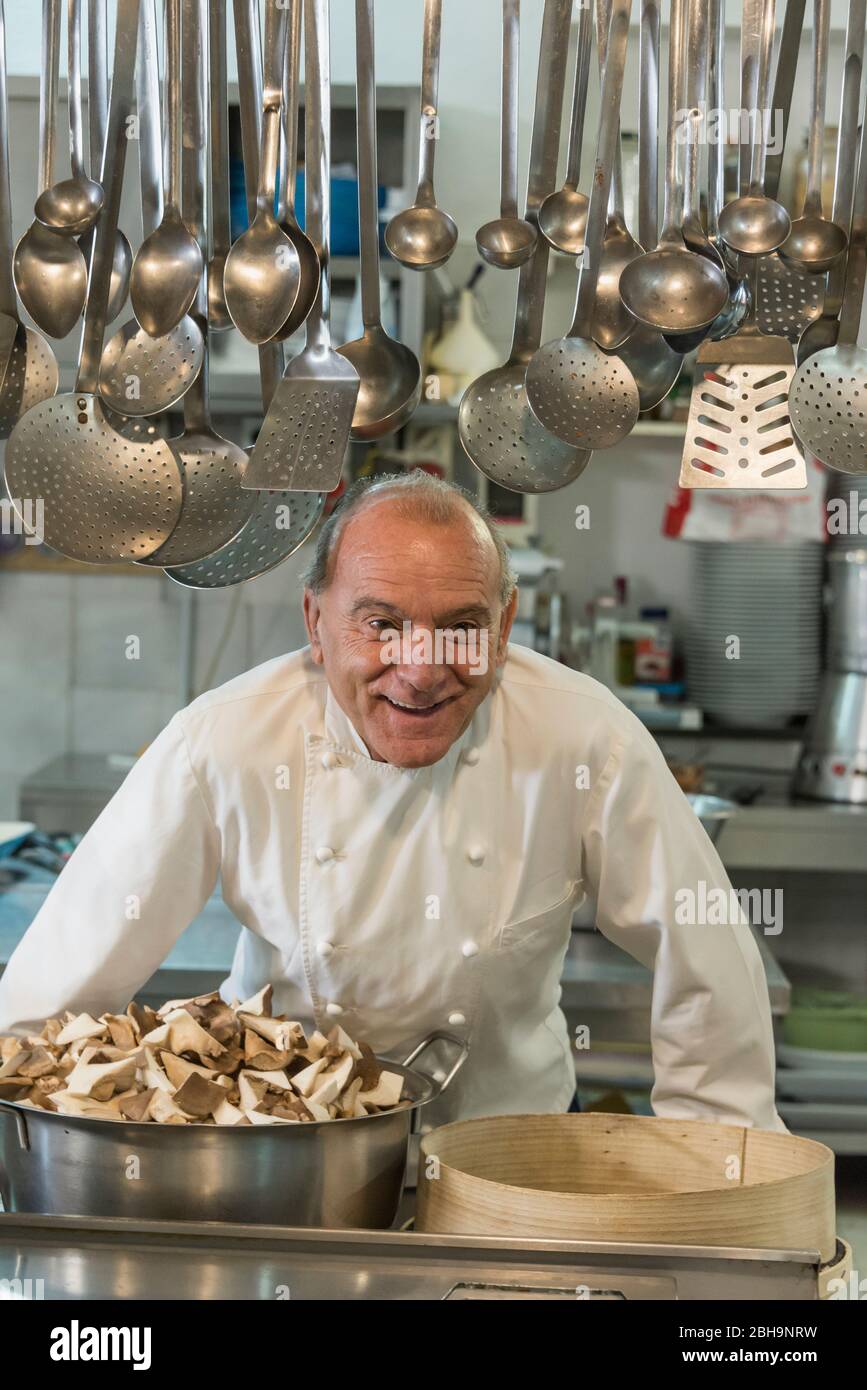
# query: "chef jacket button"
329, 760
324, 854
456, 1020
325, 949
476, 854
469, 948
472, 756
335, 1010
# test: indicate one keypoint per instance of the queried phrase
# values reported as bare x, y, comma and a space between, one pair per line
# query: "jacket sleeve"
143, 871
645, 854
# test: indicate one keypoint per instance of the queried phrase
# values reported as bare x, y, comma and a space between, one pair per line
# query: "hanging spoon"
219, 318
508, 241
563, 215
310, 268
97, 106
72, 206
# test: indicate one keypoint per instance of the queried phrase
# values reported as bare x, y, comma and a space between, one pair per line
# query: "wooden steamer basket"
627, 1178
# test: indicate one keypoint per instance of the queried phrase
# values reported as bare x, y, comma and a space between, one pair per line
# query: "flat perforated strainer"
577, 392
107, 498
788, 299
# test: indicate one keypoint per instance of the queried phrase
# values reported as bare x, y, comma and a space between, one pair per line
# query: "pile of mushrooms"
196, 1061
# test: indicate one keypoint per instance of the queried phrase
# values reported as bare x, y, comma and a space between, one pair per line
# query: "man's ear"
506, 626
312, 613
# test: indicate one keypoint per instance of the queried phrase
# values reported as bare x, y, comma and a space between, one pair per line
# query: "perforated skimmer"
497, 429
578, 393
106, 498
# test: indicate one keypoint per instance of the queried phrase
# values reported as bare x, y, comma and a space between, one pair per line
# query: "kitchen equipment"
824, 330
214, 507
695, 88
672, 289
140, 375
563, 214
577, 1177
107, 498
423, 237
219, 318
388, 372
49, 268
342, 1173
304, 436
72, 206
263, 269
168, 264
612, 321
847, 609
508, 241
833, 765
712, 811
97, 106
309, 267
497, 429
28, 370
828, 391
827, 1020
755, 224
814, 243
602, 409
732, 316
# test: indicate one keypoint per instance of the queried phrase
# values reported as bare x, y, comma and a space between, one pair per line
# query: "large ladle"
563, 215
577, 392
672, 289
815, 244
97, 105
509, 240
263, 270
389, 372
72, 206
754, 224
168, 266
49, 269
310, 268
423, 236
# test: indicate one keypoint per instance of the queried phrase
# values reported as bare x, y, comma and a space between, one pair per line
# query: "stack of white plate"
769, 598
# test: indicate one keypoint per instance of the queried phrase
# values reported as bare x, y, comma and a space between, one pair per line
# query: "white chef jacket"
406, 900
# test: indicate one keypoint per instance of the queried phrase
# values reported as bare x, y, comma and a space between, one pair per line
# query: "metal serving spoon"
219, 318
509, 240
310, 268
97, 104
72, 206
563, 215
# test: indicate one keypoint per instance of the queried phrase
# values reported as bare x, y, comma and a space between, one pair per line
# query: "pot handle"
462, 1046
9, 1108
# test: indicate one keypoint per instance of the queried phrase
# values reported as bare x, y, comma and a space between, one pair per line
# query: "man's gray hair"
422, 495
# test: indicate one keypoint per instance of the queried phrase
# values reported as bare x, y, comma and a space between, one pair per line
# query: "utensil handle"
716, 101
291, 111
462, 1046
615, 197
509, 110
221, 232
672, 206
760, 148
73, 72
856, 269
430, 73
97, 80
193, 193
544, 148
368, 211
579, 96
150, 135
751, 34
105, 230
844, 179
317, 165
648, 127
8, 301
174, 111
696, 39
609, 130
784, 86
272, 103
249, 56
818, 100
48, 84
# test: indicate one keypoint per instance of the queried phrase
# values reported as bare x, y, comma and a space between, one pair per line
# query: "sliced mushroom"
177, 1069
165, 1111
343, 1042
9, 1047
122, 1029
101, 1081
83, 1026
228, 1114
13, 1087
137, 1107
316, 1045
220, 1021
305, 1081
181, 1033
260, 1004
251, 1090
85, 1106
276, 1080
282, 1035
331, 1083
199, 1000
367, 1067
143, 1017
198, 1096
387, 1091
152, 1073
259, 1054
40, 1062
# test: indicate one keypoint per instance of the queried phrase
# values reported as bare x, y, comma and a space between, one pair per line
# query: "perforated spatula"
304, 437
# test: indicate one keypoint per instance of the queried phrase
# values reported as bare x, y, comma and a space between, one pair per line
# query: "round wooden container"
628, 1178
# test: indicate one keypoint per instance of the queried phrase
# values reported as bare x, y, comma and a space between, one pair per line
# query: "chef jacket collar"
343, 735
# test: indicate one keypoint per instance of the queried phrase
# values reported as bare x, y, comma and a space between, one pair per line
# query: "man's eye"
381, 624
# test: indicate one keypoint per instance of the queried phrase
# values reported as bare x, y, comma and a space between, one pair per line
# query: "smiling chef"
404, 816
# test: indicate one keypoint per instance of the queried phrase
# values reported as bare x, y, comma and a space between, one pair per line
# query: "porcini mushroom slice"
165, 1111
343, 1042
178, 1069
264, 1117
13, 1087
136, 1107
228, 1114
122, 1030
251, 1090
367, 1067
84, 1106
387, 1091
277, 1080
40, 1062
316, 1045
9, 1047
172, 1005
331, 1083
305, 1081
153, 1074
259, 1005
281, 1033
143, 1017
261, 1055
101, 1081
181, 1033
198, 1096
83, 1026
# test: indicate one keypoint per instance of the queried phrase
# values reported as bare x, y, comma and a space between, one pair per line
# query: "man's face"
410, 629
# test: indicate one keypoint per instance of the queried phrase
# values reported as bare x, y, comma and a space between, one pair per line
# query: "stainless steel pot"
847, 609
833, 764
340, 1173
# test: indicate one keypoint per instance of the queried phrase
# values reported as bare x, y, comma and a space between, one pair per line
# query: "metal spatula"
304, 436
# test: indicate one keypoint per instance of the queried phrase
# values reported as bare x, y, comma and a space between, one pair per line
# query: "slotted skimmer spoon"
50, 270
499, 432
823, 331
814, 243
388, 372
72, 206
106, 498
563, 215
263, 271
509, 240
423, 236
28, 368
140, 375
168, 265
310, 269
671, 289
828, 398
304, 437
577, 392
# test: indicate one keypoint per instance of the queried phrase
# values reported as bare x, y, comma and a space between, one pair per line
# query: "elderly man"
403, 816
